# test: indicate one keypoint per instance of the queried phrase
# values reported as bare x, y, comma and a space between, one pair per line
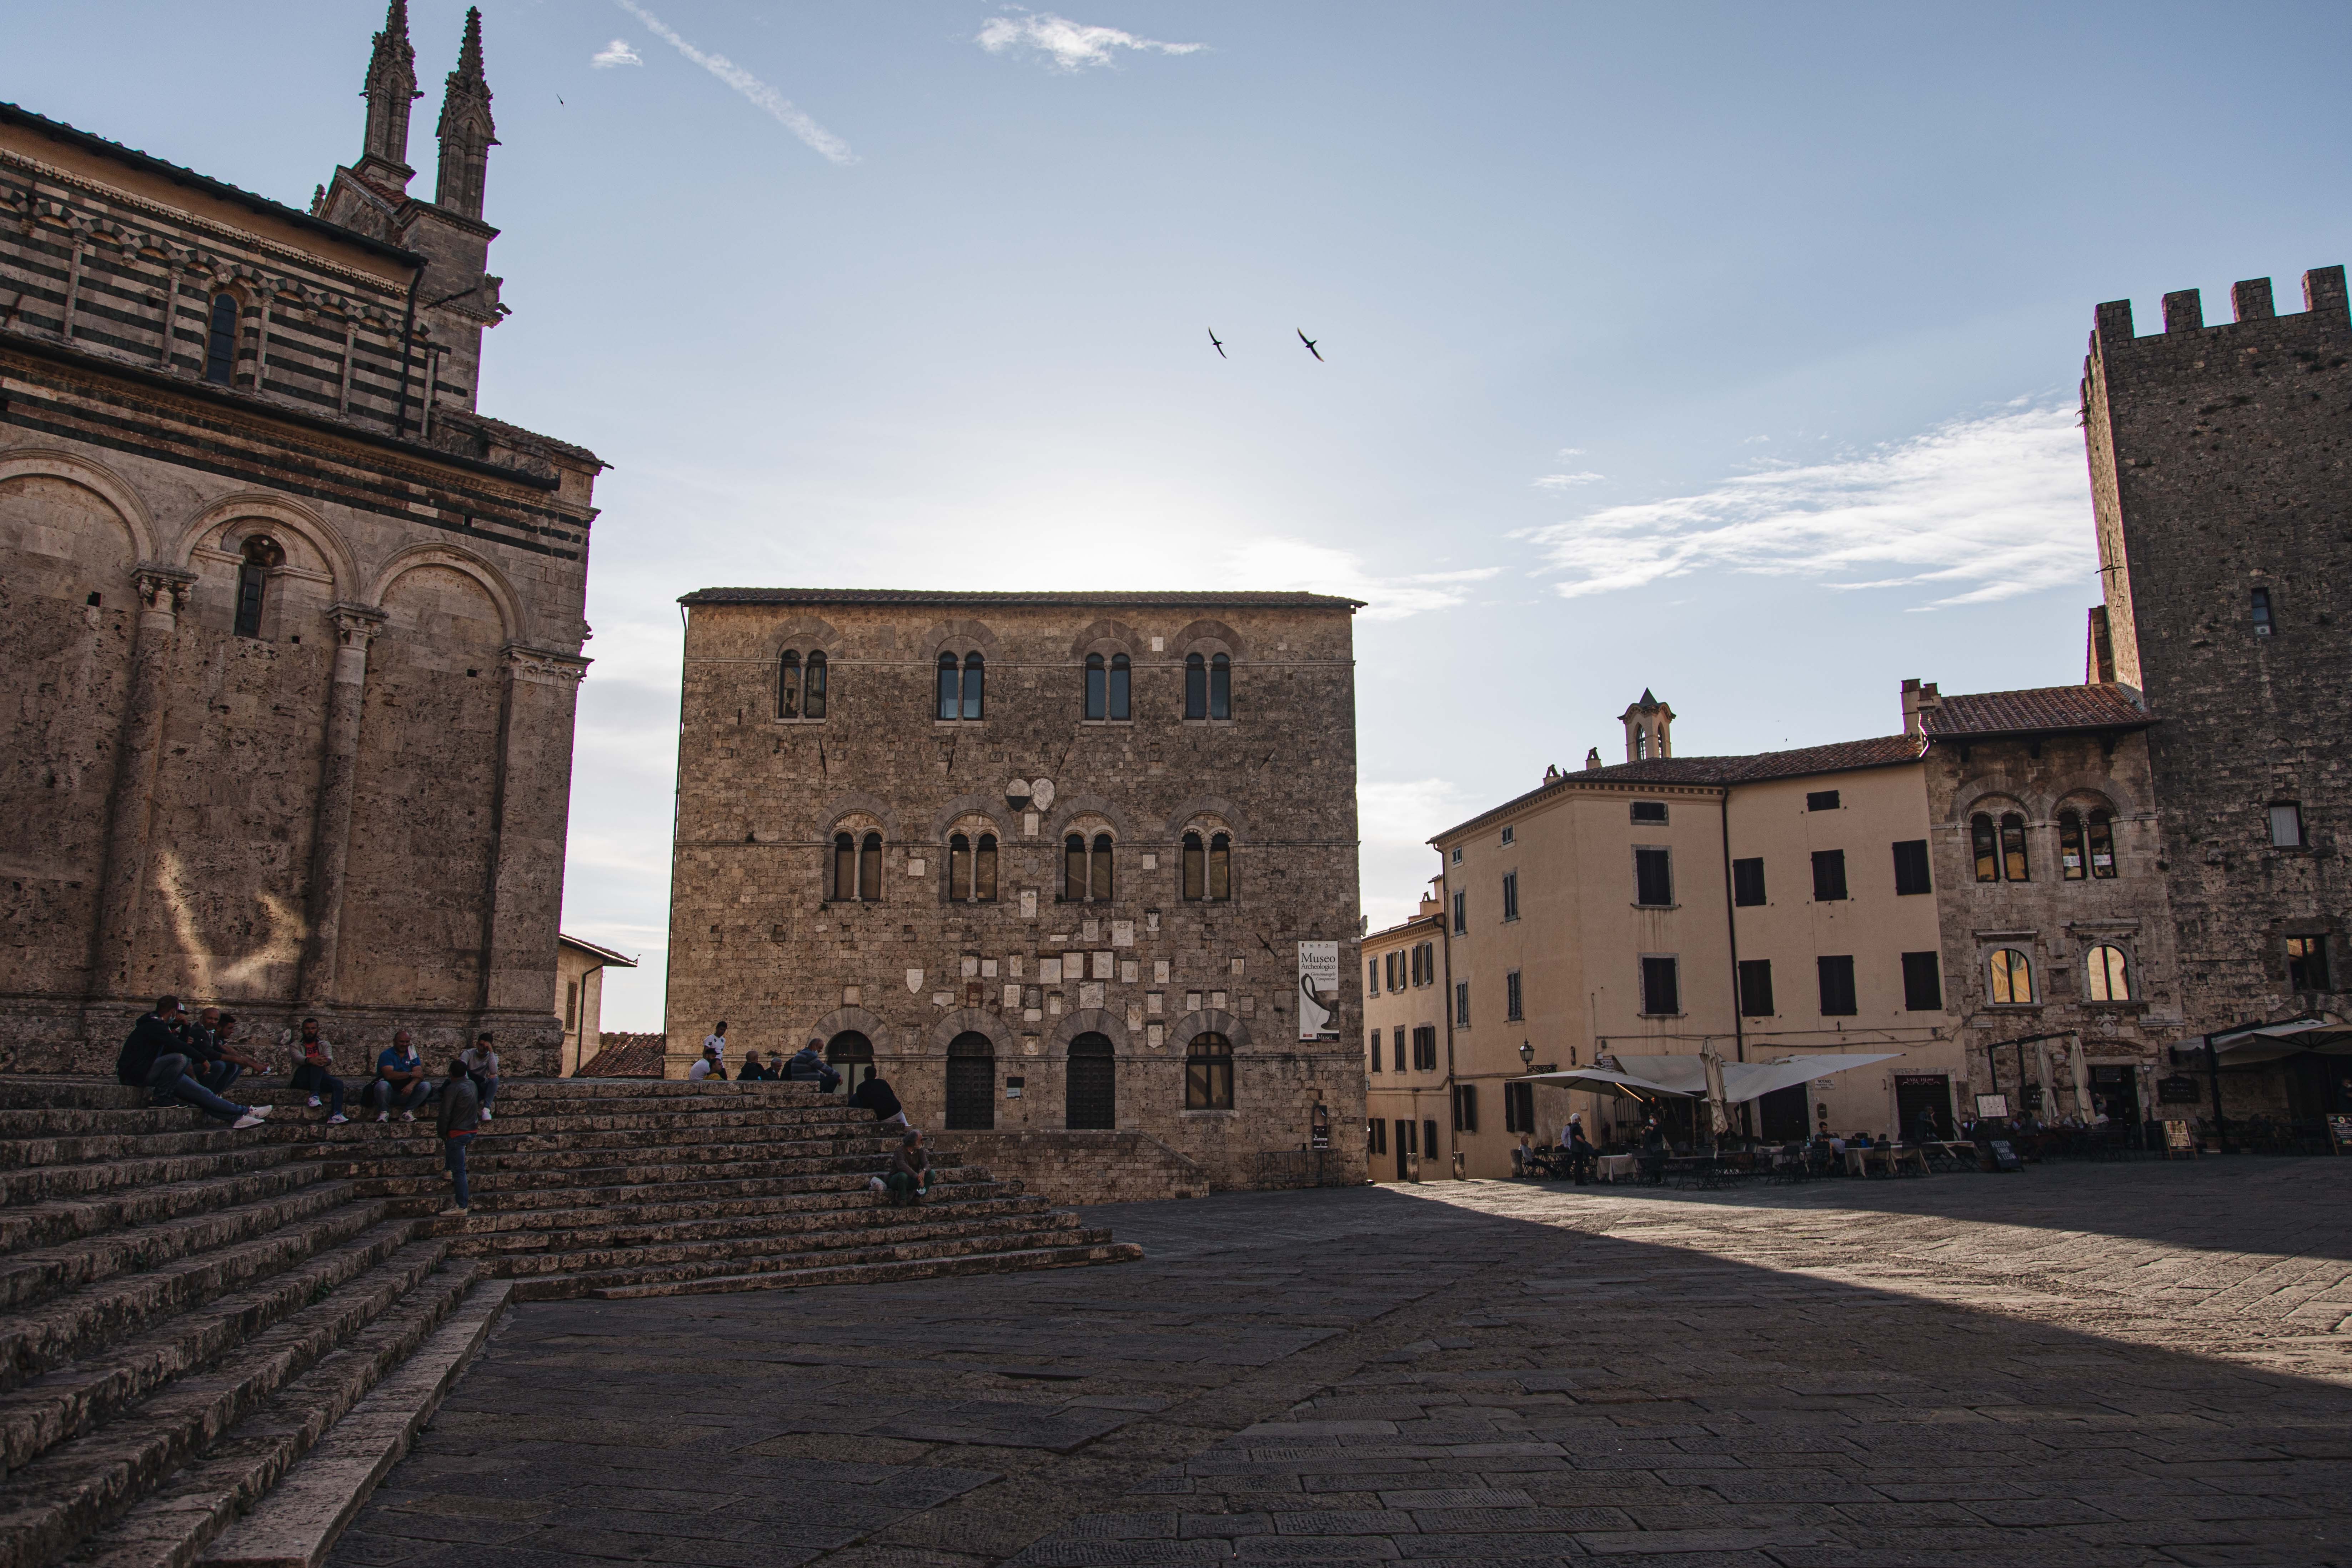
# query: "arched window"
972, 679
2110, 977
259, 555
848, 1051
1986, 845
220, 340
1086, 871
787, 686
1101, 888
1221, 686
1122, 682
1196, 878
972, 869
869, 867
958, 867
1196, 687
844, 866
984, 870
2012, 978
1091, 1102
813, 692
2073, 865
971, 1082
1221, 866
1209, 1073
1098, 687
950, 686
2102, 835
1074, 868
1641, 744
2012, 849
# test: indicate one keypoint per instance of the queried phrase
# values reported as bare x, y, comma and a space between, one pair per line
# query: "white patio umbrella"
1643, 1078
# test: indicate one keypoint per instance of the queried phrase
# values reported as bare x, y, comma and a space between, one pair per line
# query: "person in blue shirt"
399, 1076
809, 1065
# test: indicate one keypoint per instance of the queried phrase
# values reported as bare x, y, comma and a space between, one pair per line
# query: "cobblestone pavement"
2077, 1366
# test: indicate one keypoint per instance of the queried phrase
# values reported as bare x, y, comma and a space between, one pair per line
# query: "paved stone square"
2077, 1366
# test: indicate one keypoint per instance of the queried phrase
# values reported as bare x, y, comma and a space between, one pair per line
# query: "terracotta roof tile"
627, 1056
2037, 710
925, 596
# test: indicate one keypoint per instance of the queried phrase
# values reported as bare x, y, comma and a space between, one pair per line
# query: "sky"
1726, 351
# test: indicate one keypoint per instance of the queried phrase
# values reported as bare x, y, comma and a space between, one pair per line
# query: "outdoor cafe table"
1859, 1161
1618, 1167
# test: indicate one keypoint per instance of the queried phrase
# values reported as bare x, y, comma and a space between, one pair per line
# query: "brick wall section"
754, 940
2219, 465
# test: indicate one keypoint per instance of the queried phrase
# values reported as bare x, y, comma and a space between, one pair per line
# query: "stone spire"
465, 131
390, 88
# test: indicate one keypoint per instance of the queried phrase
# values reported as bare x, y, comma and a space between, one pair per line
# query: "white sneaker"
258, 1112
337, 1121
383, 1116
408, 1116
453, 1212
247, 1119
486, 1113
314, 1102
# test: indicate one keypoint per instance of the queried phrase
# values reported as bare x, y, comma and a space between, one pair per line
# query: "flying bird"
1214, 343
1310, 347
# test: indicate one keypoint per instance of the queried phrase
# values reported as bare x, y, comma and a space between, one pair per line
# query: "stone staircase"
190, 1316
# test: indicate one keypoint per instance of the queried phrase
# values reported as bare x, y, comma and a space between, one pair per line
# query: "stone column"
330, 834
534, 793
163, 594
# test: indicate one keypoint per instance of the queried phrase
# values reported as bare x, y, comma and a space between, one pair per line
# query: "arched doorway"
1092, 1101
847, 1052
971, 1083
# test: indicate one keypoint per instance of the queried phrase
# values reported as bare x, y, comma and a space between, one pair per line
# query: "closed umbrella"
1715, 1093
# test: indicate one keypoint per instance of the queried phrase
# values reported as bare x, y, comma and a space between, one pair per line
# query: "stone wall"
2218, 470
1065, 1167
755, 938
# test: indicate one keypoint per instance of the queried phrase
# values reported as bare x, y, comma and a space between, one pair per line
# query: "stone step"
1070, 1257
516, 1190
82, 1485
889, 1228
77, 1121
502, 1229
30, 1276
545, 1118
78, 1322
496, 1141
170, 1527
23, 1153
551, 1286
61, 1220
41, 1091
387, 1179
44, 1181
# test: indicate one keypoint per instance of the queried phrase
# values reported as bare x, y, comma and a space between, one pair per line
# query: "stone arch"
841, 1019
2086, 790
1996, 800
1208, 636
1107, 636
804, 633
284, 516
858, 802
1211, 805
960, 636
1089, 1021
101, 481
457, 559
971, 1020
1070, 808
1209, 1021
994, 809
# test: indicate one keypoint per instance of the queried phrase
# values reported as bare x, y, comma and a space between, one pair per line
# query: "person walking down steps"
461, 1118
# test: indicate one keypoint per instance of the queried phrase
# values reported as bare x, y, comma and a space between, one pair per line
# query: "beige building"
1409, 1047
580, 968
293, 631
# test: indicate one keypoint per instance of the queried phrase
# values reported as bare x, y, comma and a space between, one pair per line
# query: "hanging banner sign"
1319, 990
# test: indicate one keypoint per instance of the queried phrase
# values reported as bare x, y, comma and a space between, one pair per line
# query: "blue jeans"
170, 1076
453, 1155
319, 1080
381, 1094
489, 1086
218, 1076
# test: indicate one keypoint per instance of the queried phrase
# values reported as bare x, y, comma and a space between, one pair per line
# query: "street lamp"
1526, 1055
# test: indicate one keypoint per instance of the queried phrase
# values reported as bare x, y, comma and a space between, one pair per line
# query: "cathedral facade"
296, 630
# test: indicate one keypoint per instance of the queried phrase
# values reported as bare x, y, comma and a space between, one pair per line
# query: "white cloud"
1982, 508
1566, 481
1570, 452
1277, 564
758, 92
1069, 45
617, 53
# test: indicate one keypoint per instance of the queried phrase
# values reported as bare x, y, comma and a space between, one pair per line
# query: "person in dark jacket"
154, 1056
911, 1171
877, 1096
1581, 1154
461, 1118
753, 1070
808, 1066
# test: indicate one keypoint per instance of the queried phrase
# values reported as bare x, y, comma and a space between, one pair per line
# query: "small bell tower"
1649, 729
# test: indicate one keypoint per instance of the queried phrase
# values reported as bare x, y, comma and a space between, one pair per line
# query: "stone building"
295, 632
1075, 870
2049, 869
2219, 487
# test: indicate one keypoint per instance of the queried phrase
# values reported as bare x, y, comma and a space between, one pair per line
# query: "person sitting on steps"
482, 1067
877, 1096
314, 1070
709, 1067
152, 1058
910, 1181
753, 1069
808, 1066
399, 1076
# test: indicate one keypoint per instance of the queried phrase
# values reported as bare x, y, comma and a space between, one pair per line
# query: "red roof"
2039, 711
628, 1056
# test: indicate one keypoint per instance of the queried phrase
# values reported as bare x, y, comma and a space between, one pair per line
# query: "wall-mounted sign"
1012, 1089
1992, 1107
1319, 990
2178, 1089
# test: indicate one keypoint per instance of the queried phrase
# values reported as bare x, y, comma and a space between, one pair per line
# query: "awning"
2275, 1042
1643, 1078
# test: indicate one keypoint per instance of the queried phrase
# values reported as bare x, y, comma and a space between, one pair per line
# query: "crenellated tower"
465, 131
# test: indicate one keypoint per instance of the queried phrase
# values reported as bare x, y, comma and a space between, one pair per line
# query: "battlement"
2323, 301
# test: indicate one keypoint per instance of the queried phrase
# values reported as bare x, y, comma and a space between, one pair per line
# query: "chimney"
1918, 700
1592, 759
